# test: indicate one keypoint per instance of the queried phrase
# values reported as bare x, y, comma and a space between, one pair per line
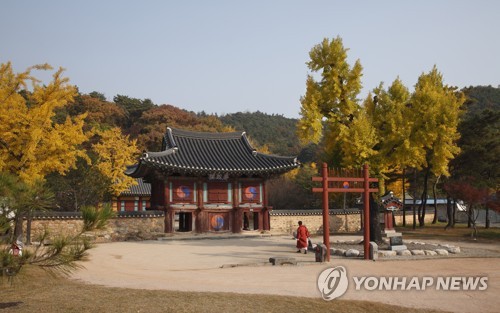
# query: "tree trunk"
404, 199
434, 187
18, 226
469, 216
472, 220
423, 199
454, 212
414, 198
375, 230
28, 228
449, 212
487, 222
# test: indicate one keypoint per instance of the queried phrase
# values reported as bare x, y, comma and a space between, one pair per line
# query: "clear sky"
229, 56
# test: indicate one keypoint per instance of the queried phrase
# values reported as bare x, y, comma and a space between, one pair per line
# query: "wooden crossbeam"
349, 179
318, 189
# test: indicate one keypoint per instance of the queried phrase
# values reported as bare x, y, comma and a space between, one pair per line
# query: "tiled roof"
195, 153
141, 189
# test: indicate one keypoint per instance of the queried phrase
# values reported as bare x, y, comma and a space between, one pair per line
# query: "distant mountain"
275, 131
480, 98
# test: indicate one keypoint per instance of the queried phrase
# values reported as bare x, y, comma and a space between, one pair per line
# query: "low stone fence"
285, 221
125, 226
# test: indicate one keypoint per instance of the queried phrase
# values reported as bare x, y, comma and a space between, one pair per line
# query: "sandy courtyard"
206, 265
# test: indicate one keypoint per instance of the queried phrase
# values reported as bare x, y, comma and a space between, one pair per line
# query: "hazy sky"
229, 56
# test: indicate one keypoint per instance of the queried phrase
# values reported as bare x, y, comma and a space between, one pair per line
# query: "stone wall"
285, 222
126, 226
151, 224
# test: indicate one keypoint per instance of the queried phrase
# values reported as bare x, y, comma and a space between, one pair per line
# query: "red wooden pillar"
202, 216
261, 219
265, 209
326, 213
366, 203
388, 220
199, 195
237, 218
169, 220
265, 213
237, 213
169, 215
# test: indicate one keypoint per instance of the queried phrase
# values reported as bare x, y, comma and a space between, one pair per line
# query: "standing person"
302, 235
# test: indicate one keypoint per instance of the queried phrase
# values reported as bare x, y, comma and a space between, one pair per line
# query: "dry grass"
459, 233
35, 291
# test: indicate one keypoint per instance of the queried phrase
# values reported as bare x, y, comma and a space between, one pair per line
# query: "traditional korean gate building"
210, 181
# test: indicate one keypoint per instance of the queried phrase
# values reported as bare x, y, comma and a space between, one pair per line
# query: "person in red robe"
302, 238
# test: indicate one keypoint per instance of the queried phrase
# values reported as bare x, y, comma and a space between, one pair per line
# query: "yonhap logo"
333, 282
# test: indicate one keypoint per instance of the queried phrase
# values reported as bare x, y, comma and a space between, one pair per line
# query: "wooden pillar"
265, 214
202, 222
199, 189
237, 220
169, 220
265, 210
326, 212
236, 193
169, 214
366, 204
237, 213
116, 205
261, 219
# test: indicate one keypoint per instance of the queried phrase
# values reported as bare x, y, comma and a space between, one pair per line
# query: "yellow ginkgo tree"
32, 143
114, 152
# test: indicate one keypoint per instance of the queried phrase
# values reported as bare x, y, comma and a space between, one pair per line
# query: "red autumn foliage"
472, 195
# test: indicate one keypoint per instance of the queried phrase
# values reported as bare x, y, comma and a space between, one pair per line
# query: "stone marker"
396, 240
398, 248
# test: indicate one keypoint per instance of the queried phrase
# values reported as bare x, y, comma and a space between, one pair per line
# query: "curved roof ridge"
159, 153
204, 135
274, 156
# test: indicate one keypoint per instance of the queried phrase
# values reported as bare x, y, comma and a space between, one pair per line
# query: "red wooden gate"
341, 184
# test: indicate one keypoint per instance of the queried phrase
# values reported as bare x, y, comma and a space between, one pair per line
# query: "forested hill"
275, 131
480, 98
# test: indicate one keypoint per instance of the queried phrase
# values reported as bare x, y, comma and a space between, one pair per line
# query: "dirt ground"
241, 265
